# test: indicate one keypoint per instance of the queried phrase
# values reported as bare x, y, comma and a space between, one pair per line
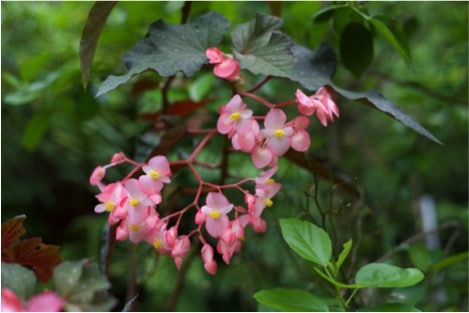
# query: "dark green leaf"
394, 35
168, 49
374, 99
450, 260
261, 48
356, 48
382, 275
18, 279
313, 69
422, 257
326, 13
89, 37
291, 300
307, 240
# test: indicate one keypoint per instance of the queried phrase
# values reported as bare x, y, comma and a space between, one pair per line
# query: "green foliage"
389, 166
382, 275
19, 279
291, 300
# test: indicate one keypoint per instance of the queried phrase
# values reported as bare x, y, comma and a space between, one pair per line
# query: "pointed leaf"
168, 49
42, 258
19, 279
97, 18
291, 300
382, 275
356, 48
313, 69
394, 35
307, 240
12, 230
376, 100
261, 48
343, 255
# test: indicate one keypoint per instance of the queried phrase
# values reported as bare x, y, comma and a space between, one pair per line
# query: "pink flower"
136, 198
157, 173
247, 136
48, 301
216, 209
276, 133
300, 140
180, 249
262, 156
226, 67
112, 200
207, 256
233, 116
320, 103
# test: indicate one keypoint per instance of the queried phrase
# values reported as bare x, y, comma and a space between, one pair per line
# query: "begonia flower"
276, 133
215, 210
320, 103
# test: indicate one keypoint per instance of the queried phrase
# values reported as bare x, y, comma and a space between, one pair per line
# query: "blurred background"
54, 132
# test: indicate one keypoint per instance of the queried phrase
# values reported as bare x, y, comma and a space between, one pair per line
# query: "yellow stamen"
134, 227
235, 116
214, 214
157, 243
109, 206
270, 181
279, 133
268, 202
134, 202
154, 174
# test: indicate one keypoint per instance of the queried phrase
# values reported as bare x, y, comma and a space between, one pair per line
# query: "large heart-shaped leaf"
307, 240
291, 300
382, 275
168, 49
261, 48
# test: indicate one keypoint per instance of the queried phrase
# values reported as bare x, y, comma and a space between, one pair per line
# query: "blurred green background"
54, 133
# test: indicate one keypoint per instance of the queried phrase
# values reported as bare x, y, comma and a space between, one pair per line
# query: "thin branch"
259, 84
417, 237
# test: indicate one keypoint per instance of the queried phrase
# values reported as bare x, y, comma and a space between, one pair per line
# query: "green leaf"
307, 240
325, 14
313, 69
291, 300
19, 279
261, 48
97, 18
356, 48
422, 257
168, 49
382, 275
394, 35
83, 287
343, 255
375, 100
452, 259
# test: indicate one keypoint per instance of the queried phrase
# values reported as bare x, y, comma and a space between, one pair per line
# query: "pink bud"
118, 157
199, 218
47, 301
171, 236
97, 175
214, 55
227, 69
211, 267
181, 247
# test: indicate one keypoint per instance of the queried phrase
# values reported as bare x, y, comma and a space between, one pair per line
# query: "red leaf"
12, 230
42, 258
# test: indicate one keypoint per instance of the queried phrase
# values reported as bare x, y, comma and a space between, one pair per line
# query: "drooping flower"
207, 257
320, 103
234, 117
226, 67
215, 210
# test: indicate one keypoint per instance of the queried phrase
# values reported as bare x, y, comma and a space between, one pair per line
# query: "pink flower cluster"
320, 103
48, 301
132, 205
267, 144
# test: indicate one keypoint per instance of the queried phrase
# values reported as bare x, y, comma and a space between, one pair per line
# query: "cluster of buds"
132, 203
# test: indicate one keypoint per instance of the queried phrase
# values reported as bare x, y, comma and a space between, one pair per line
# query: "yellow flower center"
268, 202
214, 214
154, 174
157, 243
109, 206
270, 181
235, 116
134, 227
134, 202
279, 133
